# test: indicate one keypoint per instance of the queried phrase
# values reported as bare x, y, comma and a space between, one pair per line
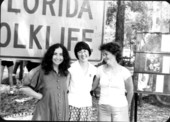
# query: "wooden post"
136, 105
132, 110
0, 73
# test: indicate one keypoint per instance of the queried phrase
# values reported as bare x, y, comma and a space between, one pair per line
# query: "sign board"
152, 63
29, 27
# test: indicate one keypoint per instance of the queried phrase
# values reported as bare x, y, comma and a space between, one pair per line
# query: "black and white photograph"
85, 60
153, 63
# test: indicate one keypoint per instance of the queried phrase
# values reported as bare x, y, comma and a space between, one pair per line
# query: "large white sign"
29, 27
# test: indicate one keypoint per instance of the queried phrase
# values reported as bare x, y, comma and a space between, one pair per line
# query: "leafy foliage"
152, 43
137, 6
10, 106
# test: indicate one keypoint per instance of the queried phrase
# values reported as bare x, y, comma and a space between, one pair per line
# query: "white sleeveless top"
113, 86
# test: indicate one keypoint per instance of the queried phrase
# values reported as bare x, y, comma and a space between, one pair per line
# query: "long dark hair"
47, 63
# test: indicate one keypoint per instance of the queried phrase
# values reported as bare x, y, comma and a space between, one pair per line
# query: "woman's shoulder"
35, 71
92, 66
101, 66
125, 70
73, 64
31, 74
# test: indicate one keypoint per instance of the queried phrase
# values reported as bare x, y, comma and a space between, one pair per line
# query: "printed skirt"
80, 114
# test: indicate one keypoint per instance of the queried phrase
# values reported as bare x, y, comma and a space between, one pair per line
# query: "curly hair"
114, 48
47, 63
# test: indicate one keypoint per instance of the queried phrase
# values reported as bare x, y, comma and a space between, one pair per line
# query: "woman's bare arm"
95, 82
30, 92
129, 89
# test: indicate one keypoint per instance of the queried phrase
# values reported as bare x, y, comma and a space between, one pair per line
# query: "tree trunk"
120, 18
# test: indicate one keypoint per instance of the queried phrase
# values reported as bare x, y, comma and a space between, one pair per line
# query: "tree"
120, 18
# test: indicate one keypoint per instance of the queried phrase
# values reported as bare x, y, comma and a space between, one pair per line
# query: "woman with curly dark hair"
115, 84
48, 84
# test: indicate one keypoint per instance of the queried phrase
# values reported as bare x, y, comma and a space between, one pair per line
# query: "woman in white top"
116, 85
82, 73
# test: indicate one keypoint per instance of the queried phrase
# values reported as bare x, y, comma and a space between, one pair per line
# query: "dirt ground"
21, 107
152, 111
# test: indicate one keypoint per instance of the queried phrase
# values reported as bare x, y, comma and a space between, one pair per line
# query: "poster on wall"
152, 83
152, 63
153, 42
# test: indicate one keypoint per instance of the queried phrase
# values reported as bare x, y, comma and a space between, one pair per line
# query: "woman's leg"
10, 72
73, 113
16, 65
120, 114
21, 70
86, 114
1, 73
104, 113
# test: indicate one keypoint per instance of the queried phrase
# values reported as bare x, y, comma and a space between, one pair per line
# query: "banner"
29, 27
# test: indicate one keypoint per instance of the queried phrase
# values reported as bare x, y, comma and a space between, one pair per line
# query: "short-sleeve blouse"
80, 85
54, 104
113, 86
